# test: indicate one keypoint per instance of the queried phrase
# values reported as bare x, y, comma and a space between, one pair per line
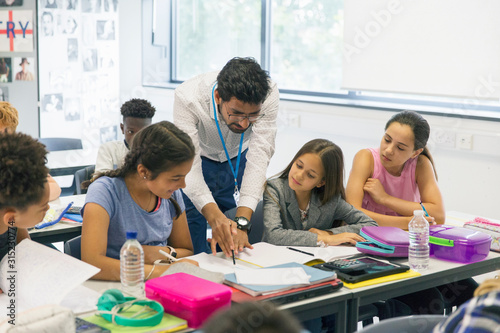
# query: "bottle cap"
131, 234
418, 212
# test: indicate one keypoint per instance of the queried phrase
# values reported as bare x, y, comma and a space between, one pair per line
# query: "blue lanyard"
235, 173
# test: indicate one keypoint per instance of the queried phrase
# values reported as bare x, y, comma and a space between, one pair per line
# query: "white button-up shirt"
194, 114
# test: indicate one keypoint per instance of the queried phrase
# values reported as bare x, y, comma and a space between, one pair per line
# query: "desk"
62, 231
440, 272
320, 306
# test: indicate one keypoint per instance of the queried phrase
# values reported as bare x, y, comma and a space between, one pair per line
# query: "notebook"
291, 295
316, 276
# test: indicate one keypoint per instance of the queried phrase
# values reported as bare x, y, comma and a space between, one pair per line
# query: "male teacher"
231, 118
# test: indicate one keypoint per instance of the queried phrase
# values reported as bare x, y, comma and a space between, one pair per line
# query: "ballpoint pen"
234, 261
425, 211
168, 255
293, 249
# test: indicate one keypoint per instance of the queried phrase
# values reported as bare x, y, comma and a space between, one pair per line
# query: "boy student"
231, 117
137, 114
9, 119
24, 190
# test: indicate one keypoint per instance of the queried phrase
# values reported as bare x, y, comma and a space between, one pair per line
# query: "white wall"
469, 179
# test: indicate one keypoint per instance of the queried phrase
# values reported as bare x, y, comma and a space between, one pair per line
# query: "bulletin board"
79, 74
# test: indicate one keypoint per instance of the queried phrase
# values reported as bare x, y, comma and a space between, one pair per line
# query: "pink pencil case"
458, 244
384, 241
489, 227
188, 297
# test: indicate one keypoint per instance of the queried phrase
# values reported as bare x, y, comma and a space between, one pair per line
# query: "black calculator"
347, 265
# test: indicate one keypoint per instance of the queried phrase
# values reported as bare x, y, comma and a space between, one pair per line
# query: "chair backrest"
407, 324
73, 247
81, 176
58, 144
257, 220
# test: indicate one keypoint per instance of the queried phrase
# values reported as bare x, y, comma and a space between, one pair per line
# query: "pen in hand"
172, 258
234, 261
425, 211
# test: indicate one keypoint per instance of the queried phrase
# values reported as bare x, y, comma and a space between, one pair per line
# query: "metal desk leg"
352, 315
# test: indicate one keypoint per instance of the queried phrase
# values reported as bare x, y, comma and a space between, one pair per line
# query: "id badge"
236, 196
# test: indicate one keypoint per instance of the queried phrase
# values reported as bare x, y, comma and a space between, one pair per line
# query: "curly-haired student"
24, 190
137, 114
9, 119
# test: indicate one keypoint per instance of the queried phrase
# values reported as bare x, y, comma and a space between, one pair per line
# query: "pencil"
425, 211
234, 261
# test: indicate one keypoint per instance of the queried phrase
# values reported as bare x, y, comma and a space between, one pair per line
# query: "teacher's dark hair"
244, 79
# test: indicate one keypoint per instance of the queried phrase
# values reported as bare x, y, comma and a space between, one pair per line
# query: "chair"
407, 324
257, 221
73, 247
82, 175
62, 144
58, 144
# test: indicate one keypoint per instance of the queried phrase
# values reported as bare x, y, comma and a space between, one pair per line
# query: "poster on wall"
16, 30
78, 56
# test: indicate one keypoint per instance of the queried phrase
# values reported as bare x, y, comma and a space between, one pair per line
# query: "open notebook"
265, 254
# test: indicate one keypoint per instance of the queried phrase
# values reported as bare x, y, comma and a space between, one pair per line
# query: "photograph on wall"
47, 24
5, 70
4, 94
72, 109
10, 3
24, 69
52, 103
91, 6
67, 24
17, 31
110, 5
71, 4
49, 3
72, 49
105, 30
89, 60
109, 133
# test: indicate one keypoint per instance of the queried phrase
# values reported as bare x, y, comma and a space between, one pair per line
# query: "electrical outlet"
464, 141
444, 138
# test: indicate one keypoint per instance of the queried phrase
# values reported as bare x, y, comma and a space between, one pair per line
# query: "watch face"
242, 221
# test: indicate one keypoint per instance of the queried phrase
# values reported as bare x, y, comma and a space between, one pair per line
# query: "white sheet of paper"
273, 276
217, 264
42, 275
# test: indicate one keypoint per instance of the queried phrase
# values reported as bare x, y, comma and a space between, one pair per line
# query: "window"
302, 43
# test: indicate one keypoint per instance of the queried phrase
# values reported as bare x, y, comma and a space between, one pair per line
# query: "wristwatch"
243, 223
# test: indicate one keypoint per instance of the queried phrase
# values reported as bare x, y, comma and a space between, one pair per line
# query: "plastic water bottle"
132, 266
418, 254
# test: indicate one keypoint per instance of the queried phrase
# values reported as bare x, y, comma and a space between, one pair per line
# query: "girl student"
388, 183
142, 195
302, 204
24, 190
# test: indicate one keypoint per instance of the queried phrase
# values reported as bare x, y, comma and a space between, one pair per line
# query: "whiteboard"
430, 47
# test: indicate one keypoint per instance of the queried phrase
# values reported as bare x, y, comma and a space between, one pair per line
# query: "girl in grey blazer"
305, 205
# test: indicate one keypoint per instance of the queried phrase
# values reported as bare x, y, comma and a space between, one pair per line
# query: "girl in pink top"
389, 183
